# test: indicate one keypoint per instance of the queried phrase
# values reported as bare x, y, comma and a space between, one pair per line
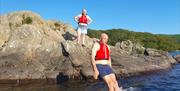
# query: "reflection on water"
67, 86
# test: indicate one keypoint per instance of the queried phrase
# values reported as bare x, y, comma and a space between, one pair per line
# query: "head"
104, 38
84, 11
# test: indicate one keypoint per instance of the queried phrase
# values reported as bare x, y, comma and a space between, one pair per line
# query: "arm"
89, 20
109, 61
76, 18
94, 50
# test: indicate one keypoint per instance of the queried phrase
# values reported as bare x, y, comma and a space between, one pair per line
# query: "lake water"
161, 81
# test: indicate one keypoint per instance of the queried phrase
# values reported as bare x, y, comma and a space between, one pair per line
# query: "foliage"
27, 20
148, 40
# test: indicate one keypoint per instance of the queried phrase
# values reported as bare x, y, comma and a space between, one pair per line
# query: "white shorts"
82, 29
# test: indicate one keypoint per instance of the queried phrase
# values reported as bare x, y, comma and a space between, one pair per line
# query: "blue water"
161, 81
173, 53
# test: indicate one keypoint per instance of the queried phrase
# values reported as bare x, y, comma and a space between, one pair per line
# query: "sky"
154, 16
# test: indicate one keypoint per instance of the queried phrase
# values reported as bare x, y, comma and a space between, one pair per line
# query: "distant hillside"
148, 40
175, 37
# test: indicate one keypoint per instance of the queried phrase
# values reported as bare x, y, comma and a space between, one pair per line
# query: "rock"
138, 49
127, 47
87, 71
154, 52
16, 19
29, 45
177, 57
124, 46
33, 48
129, 65
4, 35
79, 57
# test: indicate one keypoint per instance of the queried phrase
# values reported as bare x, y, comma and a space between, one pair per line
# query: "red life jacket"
103, 53
83, 19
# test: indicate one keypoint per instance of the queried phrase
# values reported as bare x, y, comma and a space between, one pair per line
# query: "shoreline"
45, 52
53, 81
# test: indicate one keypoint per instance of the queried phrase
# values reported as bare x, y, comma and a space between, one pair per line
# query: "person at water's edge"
83, 21
101, 63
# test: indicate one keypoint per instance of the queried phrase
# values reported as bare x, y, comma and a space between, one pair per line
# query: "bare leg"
115, 83
109, 82
83, 39
78, 37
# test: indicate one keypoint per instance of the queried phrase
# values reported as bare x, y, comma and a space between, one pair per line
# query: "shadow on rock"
61, 78
69, 36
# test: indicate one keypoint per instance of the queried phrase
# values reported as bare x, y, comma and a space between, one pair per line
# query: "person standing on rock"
101, 63
83, 21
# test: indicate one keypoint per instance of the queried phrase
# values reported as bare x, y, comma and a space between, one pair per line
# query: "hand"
96, 74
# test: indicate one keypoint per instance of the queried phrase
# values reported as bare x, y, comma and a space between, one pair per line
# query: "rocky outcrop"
127, 47
130, 65
154, 52
33, 48
138, 49
177, 57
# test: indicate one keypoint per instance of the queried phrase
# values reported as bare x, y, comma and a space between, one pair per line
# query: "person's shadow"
69, 36
61, 78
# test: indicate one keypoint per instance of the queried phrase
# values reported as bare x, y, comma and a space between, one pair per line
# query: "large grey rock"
127, 47
154, 52
138, 49
33, 48
79, 56
29, 46
177, 57
129, 65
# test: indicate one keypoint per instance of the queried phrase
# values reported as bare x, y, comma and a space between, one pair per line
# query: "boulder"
125, 46
138, 49
177, 57
29, 46
129, 48
130, 65
34, 48
155, 52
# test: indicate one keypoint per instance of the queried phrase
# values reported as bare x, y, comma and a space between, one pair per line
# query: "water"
173, 53
164, 81
161, 81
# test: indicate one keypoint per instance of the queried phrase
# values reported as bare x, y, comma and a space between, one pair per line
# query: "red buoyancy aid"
103, 53
83, 19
